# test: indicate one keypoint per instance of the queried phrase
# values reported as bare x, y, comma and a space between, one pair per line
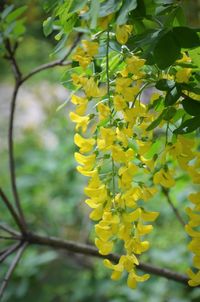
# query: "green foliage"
49, 175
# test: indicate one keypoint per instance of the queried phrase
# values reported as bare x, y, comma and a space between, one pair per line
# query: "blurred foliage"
51, 191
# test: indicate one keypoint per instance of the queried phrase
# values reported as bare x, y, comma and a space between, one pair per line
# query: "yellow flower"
90, 47
106, 140
195, 199
194, 278
104, 21
91, 88
121, 136
126, 175
149, 216
85, 144
103, 231
81, 104
134, 245
122, 84
183, 75
134, 64
80, 56
119, 102
121, 156
97, 213
104, 111
81, 121
133, 279
164, 178
123, 32
104, 247
86, 161
117, 269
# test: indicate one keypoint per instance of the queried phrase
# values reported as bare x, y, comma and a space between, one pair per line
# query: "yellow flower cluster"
113, 141
108, 159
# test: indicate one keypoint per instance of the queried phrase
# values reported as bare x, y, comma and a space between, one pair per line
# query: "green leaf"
191, 106
69, 25
16, 13
165, 85
48, 26
169, 113
126, 8
94, 12
166, 51
195, 56
155, 123
77, 5
7, 11
186, 37
188, 126
172, 96
108, 7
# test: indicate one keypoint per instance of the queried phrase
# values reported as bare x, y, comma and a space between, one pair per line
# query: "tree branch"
8, 229
11, 210
92, 251
11, 269
9, 251
175, 210
61, 62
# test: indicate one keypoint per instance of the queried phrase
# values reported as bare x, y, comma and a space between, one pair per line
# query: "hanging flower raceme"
116, 135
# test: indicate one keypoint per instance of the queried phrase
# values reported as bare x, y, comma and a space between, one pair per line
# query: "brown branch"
175, 210
11, 58
9, 229
92, 251
11, 269
11, 157
9, 251
61, 62
11, 210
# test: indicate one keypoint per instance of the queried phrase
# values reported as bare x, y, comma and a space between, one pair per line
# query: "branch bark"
11, 269
61, 62
11, 210
174, 209
92, 251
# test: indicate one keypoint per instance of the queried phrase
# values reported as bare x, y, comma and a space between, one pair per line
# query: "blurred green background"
52, 192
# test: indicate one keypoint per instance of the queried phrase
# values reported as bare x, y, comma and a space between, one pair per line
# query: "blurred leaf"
16, 13
6, 11
172, 96
191, 106
167, 50
186, 37
165, 85
169, 113
127, 7
94, 12
77, 5
188, 126
48, 26
108, 7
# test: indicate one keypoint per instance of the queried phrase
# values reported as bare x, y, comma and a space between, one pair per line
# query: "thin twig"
175, 210
8, 229
9, 251
11, 58
11, 269
61, 62
11, 157
8, 237
11, 210
18, 76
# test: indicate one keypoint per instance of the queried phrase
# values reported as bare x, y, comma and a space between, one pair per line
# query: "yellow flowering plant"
134, 88
128, 96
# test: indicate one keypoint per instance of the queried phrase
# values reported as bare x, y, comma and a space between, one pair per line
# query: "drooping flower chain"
113, 143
